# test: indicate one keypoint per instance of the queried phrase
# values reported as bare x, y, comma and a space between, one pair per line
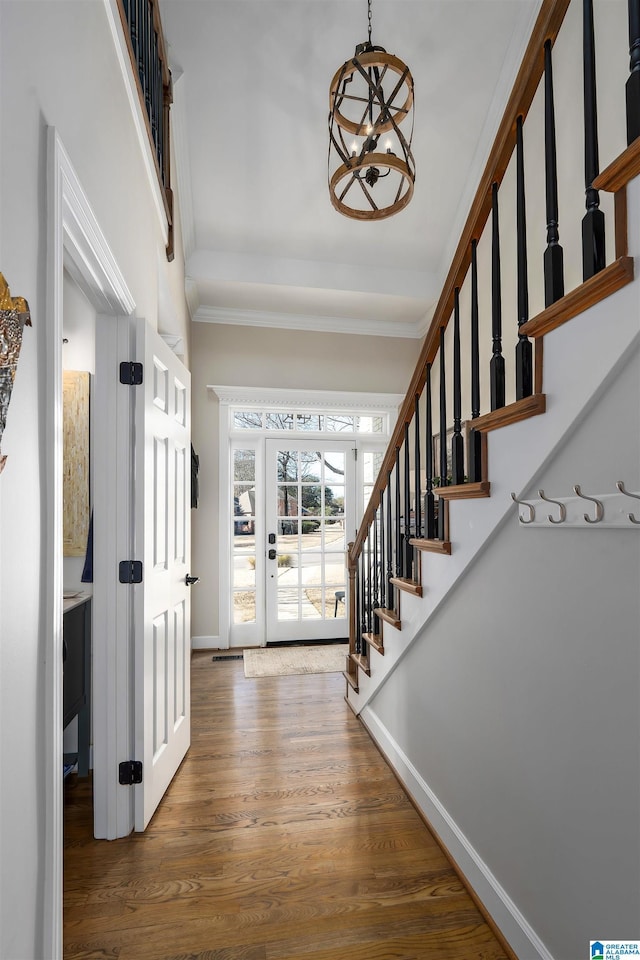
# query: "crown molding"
293, 321
317, 399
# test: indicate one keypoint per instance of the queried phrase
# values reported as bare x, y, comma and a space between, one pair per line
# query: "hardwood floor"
284, 836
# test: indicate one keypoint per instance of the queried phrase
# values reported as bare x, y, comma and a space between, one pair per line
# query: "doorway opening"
296, 472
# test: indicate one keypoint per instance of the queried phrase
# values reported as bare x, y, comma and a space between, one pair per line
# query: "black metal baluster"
457, 442
376, 576
363, 604
429, 500
142, 25
524, 350
408, 565
133, 28
475, 437
369, 597
553, 255
593, 243
383, 556
416, 469
632, 89
496, 368
390, 588
399, 550
359, 603
148, 72
155, 93
444, 478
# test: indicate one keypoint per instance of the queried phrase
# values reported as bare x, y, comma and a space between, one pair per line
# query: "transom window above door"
304, 422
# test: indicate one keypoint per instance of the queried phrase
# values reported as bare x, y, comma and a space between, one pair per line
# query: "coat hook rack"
635, 496
563, 509
599, 506
529, 506
610, 510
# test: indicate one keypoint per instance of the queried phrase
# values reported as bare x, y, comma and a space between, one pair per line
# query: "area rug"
285, 661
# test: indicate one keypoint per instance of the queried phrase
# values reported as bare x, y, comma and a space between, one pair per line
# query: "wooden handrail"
547, 27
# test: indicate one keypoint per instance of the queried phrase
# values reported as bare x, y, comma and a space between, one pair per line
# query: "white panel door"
162, 633
310, 507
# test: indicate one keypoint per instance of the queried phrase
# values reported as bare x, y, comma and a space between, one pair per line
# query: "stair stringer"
580, 359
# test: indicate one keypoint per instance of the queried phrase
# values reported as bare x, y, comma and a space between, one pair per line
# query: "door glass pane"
244, 465
334, 571
311, 607
244, 606
334, 539
288, 500
288, 605
243, 509
334, 466
311, 569
287, 465
311, 495
244, 570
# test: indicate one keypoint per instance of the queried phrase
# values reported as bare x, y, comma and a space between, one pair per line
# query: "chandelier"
371, 166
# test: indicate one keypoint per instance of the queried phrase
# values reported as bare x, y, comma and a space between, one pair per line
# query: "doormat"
286, 661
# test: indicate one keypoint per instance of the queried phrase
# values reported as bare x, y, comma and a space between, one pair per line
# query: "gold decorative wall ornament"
14, 316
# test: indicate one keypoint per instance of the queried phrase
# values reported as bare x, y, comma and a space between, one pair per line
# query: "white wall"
252, 356
519, 705
58, 67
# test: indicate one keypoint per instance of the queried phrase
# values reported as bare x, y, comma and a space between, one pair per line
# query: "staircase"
422, 527
509, 717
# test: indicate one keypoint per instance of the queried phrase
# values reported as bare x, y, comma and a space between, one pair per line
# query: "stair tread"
409, 586
362, 662
464, 491
374, 640
429, 545
351, 680
389, 616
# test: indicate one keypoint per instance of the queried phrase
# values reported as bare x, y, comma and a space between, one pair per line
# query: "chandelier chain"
369, 18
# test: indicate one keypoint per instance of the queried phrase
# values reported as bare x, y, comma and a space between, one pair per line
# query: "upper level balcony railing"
145, 40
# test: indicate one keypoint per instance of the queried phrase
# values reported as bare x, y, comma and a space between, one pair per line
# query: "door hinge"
130, 772
130, 571
355, 453
131, 373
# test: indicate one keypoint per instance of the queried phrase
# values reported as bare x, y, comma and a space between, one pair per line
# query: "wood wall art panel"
75, 419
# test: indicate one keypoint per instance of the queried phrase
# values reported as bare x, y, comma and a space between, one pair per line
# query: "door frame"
75, 241
269, 398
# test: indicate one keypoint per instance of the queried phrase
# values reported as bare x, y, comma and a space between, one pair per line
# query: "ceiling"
263, 244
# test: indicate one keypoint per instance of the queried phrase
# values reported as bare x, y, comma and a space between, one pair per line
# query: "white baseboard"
207, 643
516, 930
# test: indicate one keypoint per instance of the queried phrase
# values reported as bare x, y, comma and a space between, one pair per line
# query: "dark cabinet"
76, 685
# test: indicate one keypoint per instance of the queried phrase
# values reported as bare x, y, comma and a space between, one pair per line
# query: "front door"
162, 635
309, 489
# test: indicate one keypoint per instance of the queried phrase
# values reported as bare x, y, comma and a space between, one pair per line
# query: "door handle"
272, 554
191, 580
